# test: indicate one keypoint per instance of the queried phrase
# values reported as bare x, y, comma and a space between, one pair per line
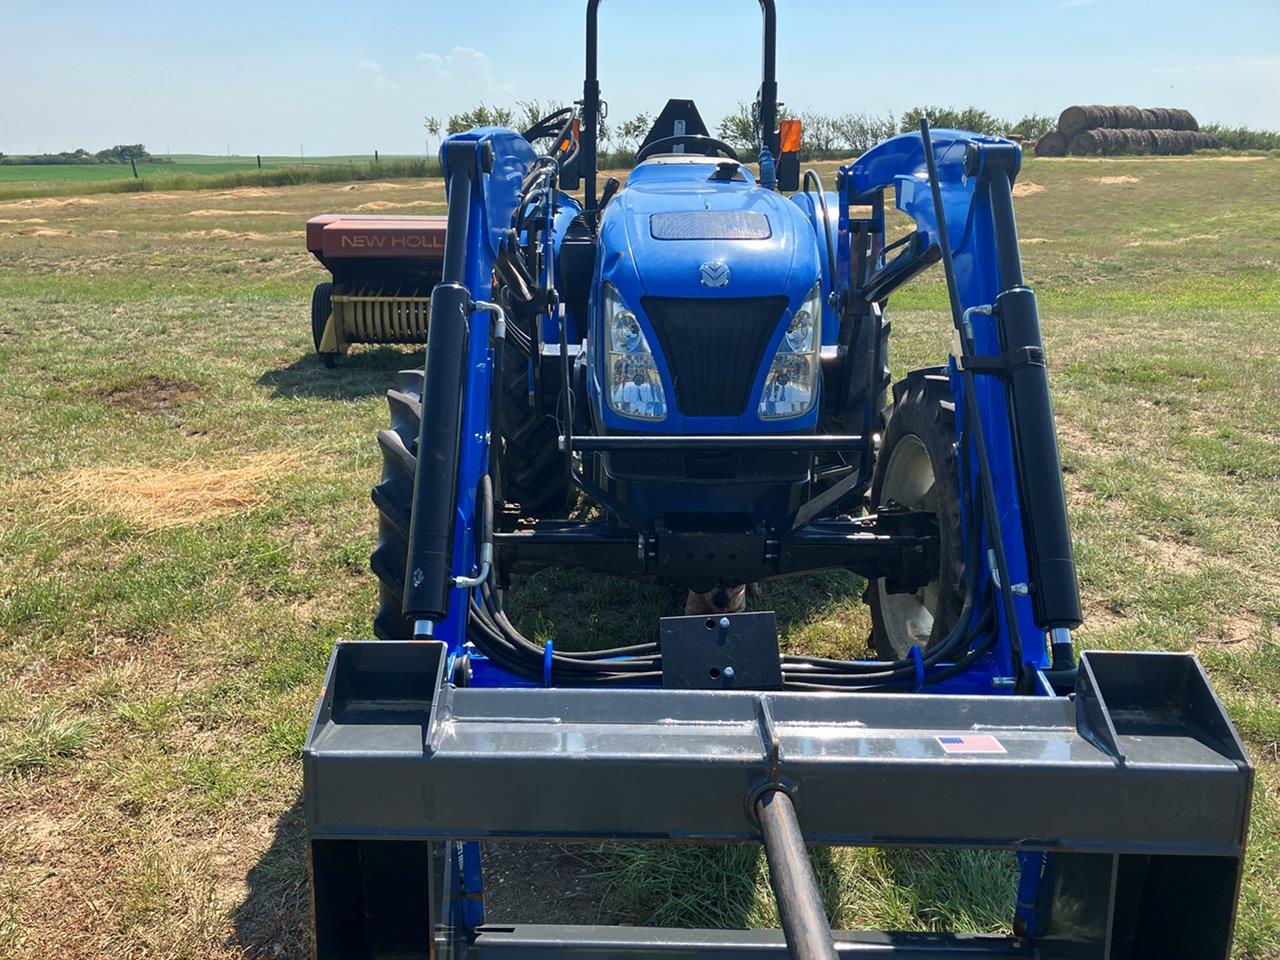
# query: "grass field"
197, 171
185, 526
204, 164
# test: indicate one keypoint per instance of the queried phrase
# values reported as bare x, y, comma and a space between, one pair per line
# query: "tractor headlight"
791, 386
634, 385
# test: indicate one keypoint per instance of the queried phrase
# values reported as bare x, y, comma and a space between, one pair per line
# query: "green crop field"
185, 528
205, 165
193, 171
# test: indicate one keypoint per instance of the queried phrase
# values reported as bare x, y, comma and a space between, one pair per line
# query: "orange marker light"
575, 134
791, 132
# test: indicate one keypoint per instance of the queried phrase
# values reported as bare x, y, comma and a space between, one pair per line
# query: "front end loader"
685, 380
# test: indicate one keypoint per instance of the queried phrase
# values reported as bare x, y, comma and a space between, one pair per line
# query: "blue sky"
345, 77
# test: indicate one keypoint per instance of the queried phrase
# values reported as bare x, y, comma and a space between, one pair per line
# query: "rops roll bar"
768, 98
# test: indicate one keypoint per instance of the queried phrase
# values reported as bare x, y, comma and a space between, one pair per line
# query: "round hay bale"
1125, 118
1075, 120
1086, 143
1052, 144
1116, 143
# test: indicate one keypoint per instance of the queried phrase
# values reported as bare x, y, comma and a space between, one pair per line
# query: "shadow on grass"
362, 373
274, 918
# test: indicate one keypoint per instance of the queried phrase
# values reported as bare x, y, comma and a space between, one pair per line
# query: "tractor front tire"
393, 496
321, 308
917, 469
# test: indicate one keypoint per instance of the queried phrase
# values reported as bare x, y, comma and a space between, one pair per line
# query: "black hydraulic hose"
495, 635
970, 405
812, 175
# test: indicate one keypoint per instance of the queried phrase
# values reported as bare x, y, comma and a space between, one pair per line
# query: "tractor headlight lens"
791, 387
634, 385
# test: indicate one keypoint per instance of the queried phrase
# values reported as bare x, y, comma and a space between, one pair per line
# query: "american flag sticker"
973, 743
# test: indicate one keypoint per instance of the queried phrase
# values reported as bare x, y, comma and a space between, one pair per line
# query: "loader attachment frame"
1136, 791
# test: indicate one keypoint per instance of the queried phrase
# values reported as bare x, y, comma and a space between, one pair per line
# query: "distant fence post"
259, 161
375, 156
133, 163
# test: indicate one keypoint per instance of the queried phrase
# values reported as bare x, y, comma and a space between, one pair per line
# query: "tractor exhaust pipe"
804, 920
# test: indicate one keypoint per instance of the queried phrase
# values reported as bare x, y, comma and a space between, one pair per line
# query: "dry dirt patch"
40, 232
1181, 558
1114, 181
389, 205
246, 192
1243, 627
1027, 189
1175, 242
36, 203
161, 498
240, 213
376, 186
151, 394
219, 234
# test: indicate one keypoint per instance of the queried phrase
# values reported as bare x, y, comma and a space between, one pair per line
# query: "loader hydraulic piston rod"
804, 920
1056, 597
428, 573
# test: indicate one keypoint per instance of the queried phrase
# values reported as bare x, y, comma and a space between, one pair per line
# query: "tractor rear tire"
393, 496
532, 469
917, 468
321, 308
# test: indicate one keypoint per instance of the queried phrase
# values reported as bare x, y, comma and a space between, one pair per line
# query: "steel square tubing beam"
547, 942
865, 769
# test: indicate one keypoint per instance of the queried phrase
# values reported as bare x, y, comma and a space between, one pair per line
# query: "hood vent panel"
710, 225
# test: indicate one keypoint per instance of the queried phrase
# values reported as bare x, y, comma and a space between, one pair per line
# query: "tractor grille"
715, 348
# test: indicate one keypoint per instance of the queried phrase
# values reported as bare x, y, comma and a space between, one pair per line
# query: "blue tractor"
686, 380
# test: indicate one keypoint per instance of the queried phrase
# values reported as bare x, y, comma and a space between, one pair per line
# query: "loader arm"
974, 178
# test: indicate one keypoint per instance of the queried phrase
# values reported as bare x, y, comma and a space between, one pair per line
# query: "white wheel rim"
910, 482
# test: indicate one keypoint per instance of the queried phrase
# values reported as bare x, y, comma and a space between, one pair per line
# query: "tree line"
120, 153
826, 136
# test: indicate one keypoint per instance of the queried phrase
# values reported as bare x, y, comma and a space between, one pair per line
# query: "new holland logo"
715, 274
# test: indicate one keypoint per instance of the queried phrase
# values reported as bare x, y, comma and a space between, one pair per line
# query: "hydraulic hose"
494, 635
812, 176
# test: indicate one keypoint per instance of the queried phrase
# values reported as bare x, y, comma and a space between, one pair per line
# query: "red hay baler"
384, 268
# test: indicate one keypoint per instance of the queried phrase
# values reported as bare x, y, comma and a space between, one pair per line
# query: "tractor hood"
677, 231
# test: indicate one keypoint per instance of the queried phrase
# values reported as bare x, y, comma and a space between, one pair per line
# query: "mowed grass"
185, 525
